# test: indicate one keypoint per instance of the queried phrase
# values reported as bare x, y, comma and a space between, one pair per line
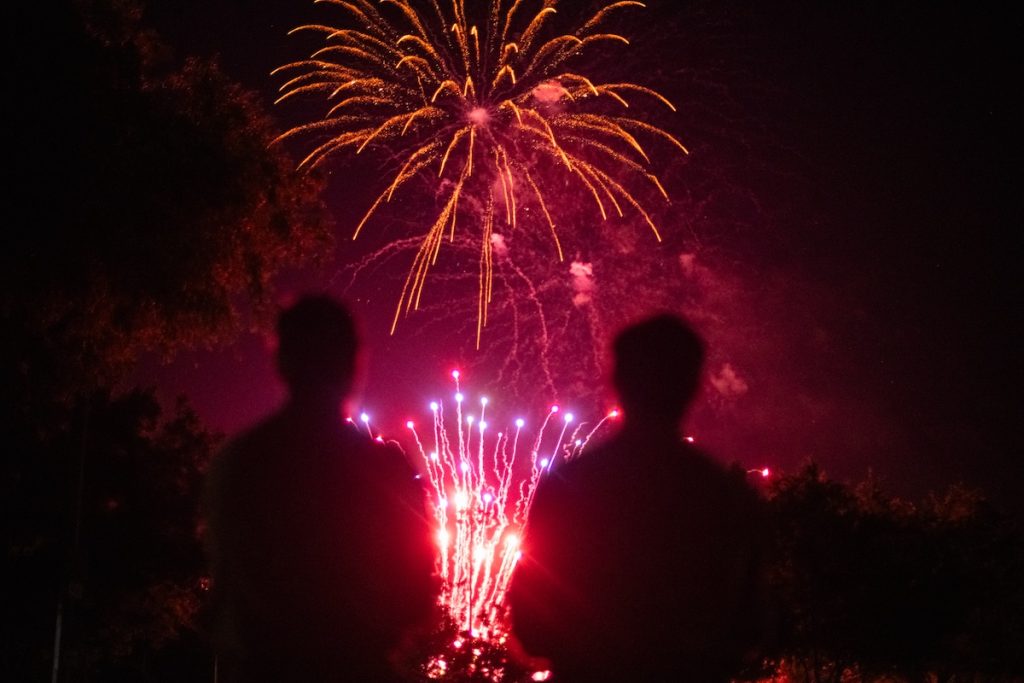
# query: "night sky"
847, 223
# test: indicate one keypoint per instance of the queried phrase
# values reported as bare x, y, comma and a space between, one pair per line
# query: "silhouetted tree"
150, 211
124, 538
875, 586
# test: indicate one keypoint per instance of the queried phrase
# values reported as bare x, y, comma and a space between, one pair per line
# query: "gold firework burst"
487, 106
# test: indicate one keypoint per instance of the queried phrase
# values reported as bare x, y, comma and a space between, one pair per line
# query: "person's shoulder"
246, 461
373, 450
702, 460
248, 442
608, 459
731, 482
377, 457
579, 475
705, 464
391, 455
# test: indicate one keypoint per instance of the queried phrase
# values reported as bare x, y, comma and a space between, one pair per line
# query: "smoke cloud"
582, 282
728, 382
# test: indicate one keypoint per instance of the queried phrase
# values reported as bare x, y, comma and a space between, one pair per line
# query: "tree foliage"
150, 211
103, 520
874, 587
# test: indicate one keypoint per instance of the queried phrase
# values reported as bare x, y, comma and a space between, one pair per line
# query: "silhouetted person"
641, 558
321, 551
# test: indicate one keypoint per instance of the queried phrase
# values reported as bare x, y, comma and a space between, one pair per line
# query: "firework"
482, 487
489, 102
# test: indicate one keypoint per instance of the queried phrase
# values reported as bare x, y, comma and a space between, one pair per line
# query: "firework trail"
490, 101
550, 327
482, 488
525, 320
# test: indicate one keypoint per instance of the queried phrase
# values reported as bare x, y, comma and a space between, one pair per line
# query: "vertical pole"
76, 547
58, 627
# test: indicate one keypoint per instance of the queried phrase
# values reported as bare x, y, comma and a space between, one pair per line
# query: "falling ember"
485, 100
481, 490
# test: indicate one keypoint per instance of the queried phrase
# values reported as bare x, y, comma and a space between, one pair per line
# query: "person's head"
317, 347
657, 369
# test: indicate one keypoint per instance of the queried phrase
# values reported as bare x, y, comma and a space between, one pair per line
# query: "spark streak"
425, 83
482, 487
